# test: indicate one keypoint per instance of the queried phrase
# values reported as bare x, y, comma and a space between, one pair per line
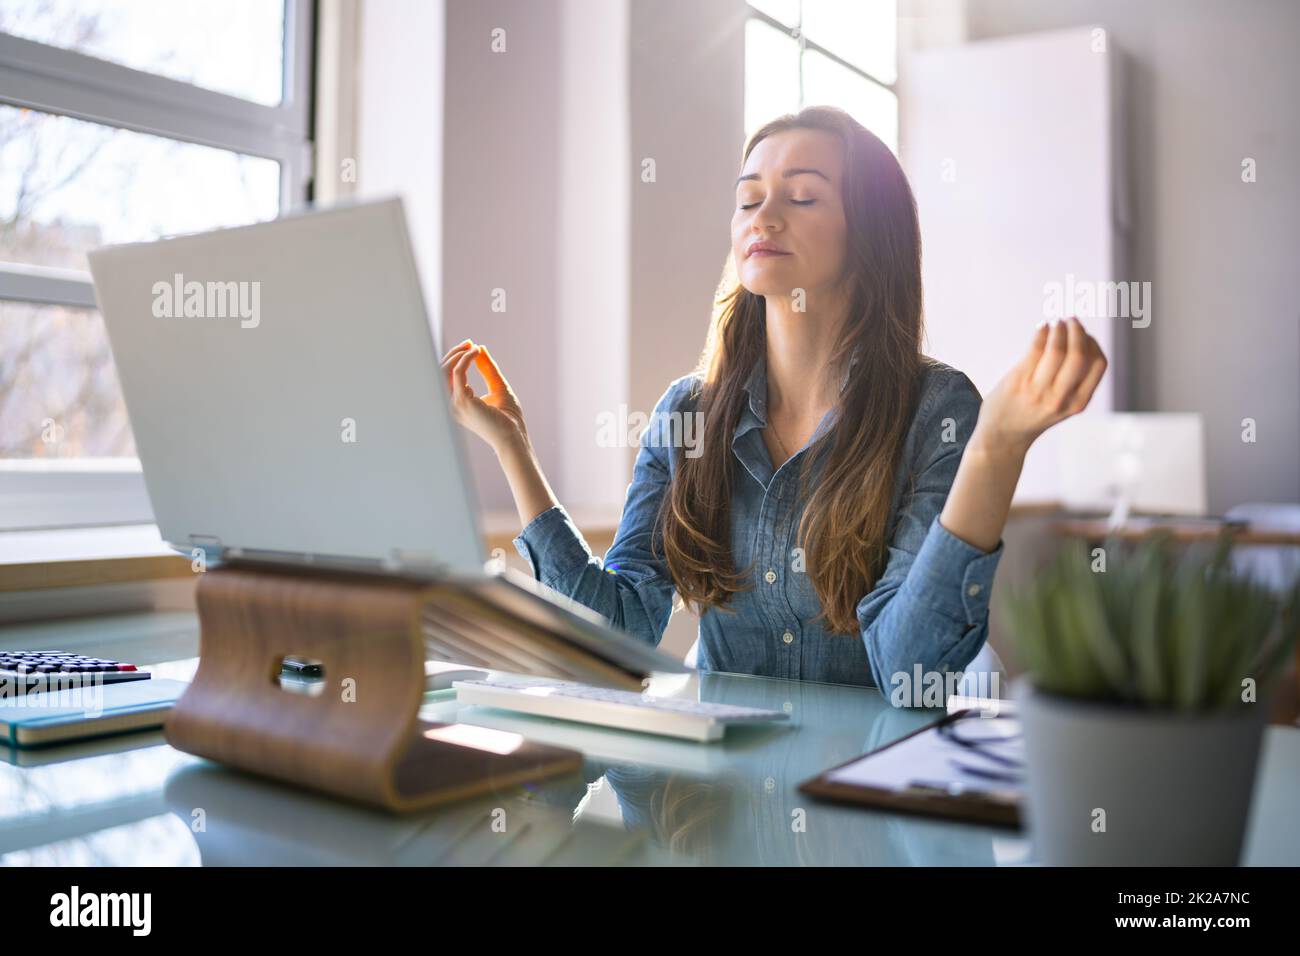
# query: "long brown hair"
844, 528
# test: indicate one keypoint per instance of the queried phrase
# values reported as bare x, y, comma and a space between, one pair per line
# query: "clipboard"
988, 807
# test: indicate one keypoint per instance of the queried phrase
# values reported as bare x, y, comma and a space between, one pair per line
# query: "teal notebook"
51, 717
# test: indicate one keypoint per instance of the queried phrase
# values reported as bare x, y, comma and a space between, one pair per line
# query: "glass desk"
639, 800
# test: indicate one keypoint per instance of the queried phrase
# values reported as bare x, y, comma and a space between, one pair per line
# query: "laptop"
283, 385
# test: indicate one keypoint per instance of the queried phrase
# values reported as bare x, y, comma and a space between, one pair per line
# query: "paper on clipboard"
929, 760
967, 766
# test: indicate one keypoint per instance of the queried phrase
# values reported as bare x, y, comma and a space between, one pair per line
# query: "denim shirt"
929, 607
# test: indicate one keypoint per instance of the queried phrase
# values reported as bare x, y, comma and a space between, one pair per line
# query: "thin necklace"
785, 451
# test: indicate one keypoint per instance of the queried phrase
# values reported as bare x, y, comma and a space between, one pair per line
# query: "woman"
880, 554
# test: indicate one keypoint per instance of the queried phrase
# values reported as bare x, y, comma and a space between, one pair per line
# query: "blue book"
51, 717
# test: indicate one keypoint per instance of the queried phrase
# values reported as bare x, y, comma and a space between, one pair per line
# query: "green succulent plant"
1162, 626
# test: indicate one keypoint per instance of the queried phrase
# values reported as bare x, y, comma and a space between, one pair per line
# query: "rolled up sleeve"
552, 544
930, 607
945, 558
631, 587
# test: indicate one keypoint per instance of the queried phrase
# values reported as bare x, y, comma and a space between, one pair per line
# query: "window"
122, 122
823, 52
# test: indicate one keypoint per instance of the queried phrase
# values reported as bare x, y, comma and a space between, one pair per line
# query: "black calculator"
38, 670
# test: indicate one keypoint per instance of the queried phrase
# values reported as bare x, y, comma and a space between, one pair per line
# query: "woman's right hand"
496, 417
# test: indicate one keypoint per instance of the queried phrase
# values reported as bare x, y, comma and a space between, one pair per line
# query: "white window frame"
60, 493
805, 44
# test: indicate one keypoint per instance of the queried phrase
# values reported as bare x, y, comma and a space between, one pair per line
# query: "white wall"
1207, 84
399, 121
1005, 210
593, 255
502, 211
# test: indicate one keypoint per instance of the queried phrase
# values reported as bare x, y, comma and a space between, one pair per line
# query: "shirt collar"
756, 385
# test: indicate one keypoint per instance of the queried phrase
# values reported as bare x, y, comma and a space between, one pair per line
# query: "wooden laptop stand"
361, 737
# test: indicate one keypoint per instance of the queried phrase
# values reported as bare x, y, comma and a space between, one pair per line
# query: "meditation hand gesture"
1054, 380
496, 417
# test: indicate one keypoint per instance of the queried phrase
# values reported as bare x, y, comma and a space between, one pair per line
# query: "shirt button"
770, 576
788, 637
973, 590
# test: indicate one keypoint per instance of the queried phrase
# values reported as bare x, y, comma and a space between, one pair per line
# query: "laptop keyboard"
527, 687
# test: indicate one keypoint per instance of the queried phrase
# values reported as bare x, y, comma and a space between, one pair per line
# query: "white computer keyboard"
623, 709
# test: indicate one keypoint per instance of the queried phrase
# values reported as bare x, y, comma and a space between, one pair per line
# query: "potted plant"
1143, 706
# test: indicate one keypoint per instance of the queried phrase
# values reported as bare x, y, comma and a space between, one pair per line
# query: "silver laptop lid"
283, 386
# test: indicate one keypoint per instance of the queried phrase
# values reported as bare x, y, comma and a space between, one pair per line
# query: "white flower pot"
1113, 785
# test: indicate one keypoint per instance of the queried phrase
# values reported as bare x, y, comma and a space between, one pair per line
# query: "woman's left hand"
1054, 380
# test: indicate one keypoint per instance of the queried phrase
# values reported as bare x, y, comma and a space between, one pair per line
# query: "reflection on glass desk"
638, 800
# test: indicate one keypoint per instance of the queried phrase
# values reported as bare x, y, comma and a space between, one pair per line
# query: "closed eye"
797, 202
